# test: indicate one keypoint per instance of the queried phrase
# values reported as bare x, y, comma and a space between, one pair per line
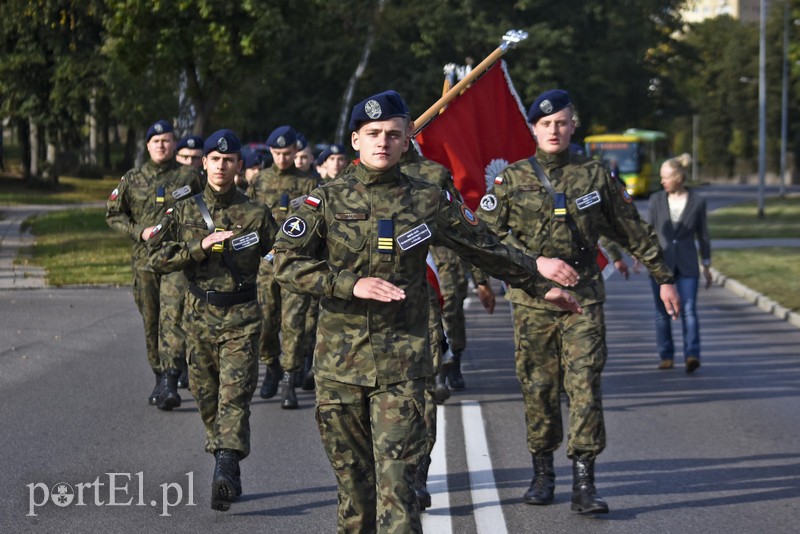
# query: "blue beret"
302, 142
222, 141
378, 107
282, 137
548, 103
158, 128
192, 141
330, 151
251, 158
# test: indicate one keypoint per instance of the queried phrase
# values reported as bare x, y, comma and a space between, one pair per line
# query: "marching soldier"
555, 206
189, 151
332, 161
135, 206
359, 242
218, 239
282, 188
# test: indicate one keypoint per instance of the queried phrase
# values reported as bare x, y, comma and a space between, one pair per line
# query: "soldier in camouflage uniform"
561, 228
283, 345
135, 206
218, 239
359, 242
450, 270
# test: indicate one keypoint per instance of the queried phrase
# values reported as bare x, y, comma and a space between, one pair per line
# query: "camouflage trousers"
284, 317
374, 438
160, 302
171, 338
146, 291
223, 371
549, 343
453, 284
436, 335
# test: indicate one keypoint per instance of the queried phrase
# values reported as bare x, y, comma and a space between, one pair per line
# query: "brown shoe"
692, 363
665, 364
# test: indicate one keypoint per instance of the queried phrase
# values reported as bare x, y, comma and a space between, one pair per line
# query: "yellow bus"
638, 155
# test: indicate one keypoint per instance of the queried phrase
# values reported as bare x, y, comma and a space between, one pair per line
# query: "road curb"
761, 301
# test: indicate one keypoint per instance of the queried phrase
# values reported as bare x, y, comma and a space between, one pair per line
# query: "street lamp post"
762, 107
784, 99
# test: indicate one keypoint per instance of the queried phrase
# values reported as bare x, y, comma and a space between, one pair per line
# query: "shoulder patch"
169, 211
294, 227
468, 215
114, 194
314, 202
498, 180
625, 196
155, 230
488, 202
448, 197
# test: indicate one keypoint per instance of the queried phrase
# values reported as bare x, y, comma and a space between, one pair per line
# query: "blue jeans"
687, 291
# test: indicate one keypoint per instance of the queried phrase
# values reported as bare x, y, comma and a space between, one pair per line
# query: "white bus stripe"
437, 519
485, 499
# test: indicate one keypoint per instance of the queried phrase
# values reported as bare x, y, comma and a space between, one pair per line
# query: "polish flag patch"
114, 194
313, 201
498, 180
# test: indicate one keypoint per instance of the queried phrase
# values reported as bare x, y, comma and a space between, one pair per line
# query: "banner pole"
511, 38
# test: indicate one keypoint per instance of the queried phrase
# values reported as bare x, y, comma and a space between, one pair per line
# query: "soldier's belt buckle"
208, 294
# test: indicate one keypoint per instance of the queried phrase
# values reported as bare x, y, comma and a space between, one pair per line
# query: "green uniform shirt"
380, 225
522, 213
278, 189
142, 197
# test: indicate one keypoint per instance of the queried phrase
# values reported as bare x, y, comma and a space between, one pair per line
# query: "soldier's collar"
219, 199
284, 172
161, 167
369, 177
552, 161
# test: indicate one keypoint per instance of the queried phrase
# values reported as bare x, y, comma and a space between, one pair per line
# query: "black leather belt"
223, 298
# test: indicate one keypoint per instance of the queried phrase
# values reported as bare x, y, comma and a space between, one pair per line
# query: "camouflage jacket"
380, 225
277, 189
175, 242
522, 213
421, 167
142, 197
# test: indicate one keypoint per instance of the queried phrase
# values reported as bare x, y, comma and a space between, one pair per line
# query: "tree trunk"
347, 99
91, 157
33, 143
24, 140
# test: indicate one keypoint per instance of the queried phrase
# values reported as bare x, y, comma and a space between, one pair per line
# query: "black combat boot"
453, 368
183, 378
440, 390
308, 373
227, 484
584, 495
168, 397
272, 376
288, 395
153, 399
543, 484
421, 483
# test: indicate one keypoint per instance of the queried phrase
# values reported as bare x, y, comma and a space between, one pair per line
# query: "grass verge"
781, 219
772, 271
13, 191
77, 247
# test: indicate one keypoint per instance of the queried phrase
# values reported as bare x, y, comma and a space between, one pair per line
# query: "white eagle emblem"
373, 109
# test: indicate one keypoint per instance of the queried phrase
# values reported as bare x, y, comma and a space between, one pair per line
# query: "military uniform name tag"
414, 237
588, 200
350, 216
182, 192
244, 241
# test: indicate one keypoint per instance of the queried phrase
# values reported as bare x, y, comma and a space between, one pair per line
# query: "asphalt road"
711, 452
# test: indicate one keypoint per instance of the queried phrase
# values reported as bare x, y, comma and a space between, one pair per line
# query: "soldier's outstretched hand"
377, 289
486, 296
563, 300
217, 237
557, 270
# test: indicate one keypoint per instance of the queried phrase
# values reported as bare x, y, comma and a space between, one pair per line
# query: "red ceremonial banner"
479, 133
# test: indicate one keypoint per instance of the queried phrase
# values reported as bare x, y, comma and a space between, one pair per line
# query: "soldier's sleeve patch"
588, 200
625, 196
155, 231
244, 241
448, 197
314, 202
297, 202
114, 194
294, 227
182, 192
488, 202
468, 215
498, 180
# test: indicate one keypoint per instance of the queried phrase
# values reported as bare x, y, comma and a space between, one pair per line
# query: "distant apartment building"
744, 10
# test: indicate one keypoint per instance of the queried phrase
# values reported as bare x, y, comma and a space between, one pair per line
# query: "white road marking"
437, 519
